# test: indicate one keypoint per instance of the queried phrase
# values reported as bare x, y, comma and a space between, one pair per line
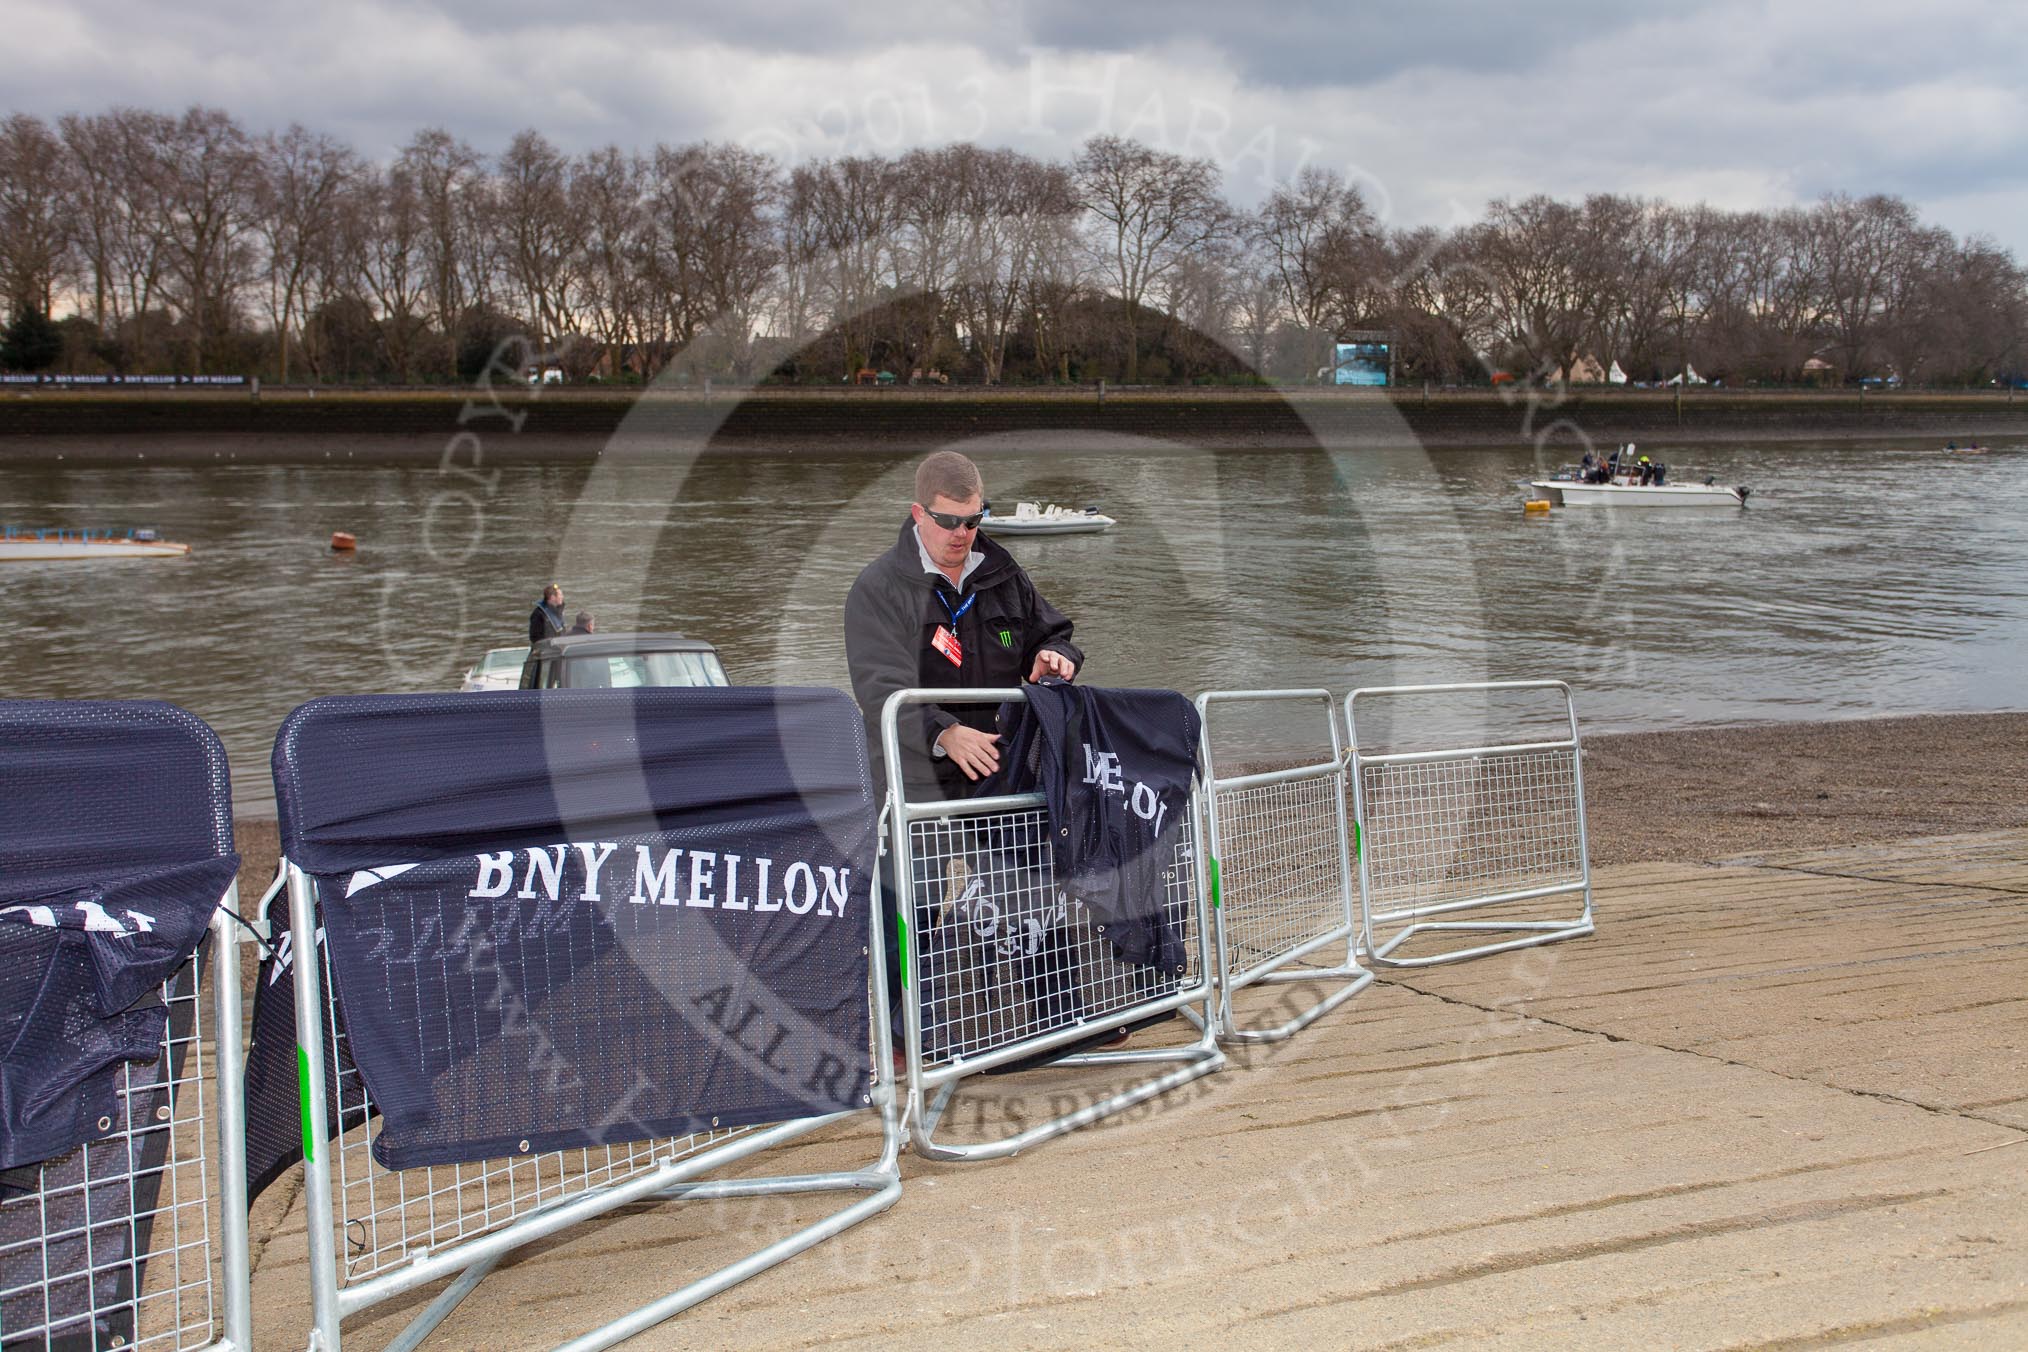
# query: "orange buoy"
343, 540
1535, 505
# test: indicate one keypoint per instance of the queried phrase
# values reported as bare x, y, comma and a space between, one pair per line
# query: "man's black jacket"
543, 623
892, 613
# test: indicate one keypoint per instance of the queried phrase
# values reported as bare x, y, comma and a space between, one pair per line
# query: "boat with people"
1625, 478
18, 545
1031, 518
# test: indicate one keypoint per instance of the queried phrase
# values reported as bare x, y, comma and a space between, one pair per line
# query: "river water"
1863, 579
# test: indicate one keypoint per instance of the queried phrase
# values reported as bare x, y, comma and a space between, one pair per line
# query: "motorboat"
1569, 488
26, 546
1030, 518
499, 669
1570, 493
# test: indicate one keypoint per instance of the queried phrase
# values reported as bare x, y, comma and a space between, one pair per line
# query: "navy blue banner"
115, 849
572, 918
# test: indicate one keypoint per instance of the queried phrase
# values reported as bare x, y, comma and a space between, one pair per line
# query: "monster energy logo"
1006, 638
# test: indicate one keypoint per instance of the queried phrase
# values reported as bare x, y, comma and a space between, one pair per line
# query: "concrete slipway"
1776, 1102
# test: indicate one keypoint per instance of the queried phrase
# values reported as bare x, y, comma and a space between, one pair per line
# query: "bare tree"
1014, 212
304, 176
931, 203
210, 179
539, 234
1439, 303
851, 205
1259, 309
444, 174
1979, 325
606, 191
142, 244
384, 233
1543, 281
1149, 209
1319, 237
35, 227
1859, 246
711, 244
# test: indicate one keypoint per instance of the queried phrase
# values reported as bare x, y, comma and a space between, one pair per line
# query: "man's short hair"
947, 474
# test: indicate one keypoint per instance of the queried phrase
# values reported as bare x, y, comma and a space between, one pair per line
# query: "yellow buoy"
1535, 505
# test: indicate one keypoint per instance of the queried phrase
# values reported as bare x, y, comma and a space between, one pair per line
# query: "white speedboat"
1624, 486
499, 669
28, 546
1030, 518
1571, 493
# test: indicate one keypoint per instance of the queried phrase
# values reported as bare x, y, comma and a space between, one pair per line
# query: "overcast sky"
1434, 107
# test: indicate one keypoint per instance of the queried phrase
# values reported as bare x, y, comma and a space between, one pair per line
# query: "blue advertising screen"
1360, 364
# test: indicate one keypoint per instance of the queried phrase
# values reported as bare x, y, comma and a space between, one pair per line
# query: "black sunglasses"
952, 521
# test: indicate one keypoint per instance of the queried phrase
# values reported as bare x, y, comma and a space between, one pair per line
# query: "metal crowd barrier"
375, 1233
998, 966
118, 1235
1467, 829
138, 1237
1277, 853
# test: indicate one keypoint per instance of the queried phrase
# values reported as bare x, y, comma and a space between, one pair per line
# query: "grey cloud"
1317, 42
1443, 103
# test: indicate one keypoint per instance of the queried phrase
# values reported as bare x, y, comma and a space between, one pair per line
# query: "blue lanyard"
959, 612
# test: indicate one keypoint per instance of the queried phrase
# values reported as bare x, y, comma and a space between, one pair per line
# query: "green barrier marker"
303, 1089
901, 939
1215, 895
1356, 843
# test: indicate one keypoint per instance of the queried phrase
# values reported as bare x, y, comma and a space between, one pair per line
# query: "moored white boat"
1033, 519
19, 546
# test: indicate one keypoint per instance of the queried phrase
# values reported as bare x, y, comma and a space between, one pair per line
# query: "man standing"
947, 608
546, 620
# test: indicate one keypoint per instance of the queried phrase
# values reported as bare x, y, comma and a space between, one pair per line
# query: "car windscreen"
626, 670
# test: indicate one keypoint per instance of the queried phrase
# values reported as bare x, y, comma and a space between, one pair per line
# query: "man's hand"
976, 753
1049, 662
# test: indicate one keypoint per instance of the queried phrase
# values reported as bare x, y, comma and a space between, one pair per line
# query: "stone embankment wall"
566, 422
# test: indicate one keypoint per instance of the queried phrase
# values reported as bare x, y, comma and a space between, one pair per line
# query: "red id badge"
947, 643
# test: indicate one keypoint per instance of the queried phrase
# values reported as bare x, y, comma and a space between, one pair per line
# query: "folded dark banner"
1115, 768
274, 1125
115, 850
79, 972
571, 978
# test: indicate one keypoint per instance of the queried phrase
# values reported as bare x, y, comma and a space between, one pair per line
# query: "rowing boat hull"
40, 551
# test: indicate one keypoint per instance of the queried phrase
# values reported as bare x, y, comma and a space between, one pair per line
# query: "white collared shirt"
972, 561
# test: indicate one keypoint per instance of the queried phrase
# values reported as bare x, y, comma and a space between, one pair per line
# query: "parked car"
620, 661
499, 669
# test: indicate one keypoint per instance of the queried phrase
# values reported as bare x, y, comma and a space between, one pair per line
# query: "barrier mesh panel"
1002, 955
384, 1217
110, 1244
1281, 881
1447, 831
